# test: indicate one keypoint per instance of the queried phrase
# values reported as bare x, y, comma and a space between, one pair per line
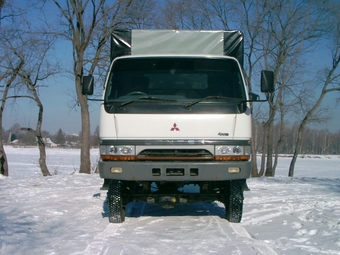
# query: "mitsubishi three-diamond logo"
174, 127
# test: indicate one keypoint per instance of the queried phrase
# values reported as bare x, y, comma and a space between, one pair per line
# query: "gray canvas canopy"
177, 42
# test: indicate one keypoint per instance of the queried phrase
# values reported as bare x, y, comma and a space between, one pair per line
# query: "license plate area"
175, 171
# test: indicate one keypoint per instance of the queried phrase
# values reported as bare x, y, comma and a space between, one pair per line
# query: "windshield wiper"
207, 98
145, 98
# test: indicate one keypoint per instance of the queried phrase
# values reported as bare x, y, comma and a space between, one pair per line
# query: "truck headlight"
126, 150
232, 150
223, 150
232, 153
117, 152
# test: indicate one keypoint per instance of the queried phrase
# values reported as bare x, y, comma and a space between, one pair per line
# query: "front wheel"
115, 203
234, 202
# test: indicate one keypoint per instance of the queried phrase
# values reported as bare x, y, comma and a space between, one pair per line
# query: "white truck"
175, 123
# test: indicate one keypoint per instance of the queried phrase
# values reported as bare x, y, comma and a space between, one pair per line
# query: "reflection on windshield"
181, 79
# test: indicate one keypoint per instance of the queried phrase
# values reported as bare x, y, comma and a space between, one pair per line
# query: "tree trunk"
41, 144
42, 159
3, 157
280, 140
254, 172
297, 148
85, 162
270, 137
277, 149
269, 166
3, 160
264, 150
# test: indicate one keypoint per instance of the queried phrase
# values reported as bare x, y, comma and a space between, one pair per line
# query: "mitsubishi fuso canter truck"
175, 122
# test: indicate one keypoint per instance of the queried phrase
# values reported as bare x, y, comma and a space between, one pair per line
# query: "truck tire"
234, 202
115, 203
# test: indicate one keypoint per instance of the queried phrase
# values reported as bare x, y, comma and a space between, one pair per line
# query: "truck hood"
175, 126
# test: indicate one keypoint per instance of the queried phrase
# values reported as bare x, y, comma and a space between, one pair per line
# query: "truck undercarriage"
169, 194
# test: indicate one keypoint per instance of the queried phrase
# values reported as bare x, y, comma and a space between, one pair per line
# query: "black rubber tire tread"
234, 202
115, 203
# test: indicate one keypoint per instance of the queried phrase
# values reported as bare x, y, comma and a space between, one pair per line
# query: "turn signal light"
233, 158
117, 158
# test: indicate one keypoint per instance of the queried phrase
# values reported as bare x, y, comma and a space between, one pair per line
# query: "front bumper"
174, 171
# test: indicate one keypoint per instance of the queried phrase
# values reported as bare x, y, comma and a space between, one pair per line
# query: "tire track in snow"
242, 247
96, 246
101, 243
151, 234
108, 241
264, 215
105, 243
243, 240
257, 245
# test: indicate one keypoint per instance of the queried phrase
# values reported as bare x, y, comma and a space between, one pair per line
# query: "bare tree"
26, 66
88, 21
291, 27
36, 69
188, 15
254, 17
142, 14
331, 82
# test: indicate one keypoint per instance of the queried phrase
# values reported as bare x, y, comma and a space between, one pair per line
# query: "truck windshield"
170, 78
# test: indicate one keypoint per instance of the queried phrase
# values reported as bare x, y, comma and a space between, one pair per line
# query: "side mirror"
267, 81
87, 85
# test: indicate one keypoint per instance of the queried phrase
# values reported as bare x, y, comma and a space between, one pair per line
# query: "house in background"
48, 142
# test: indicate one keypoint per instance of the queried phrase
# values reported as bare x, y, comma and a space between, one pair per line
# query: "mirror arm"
95, 99
260, 100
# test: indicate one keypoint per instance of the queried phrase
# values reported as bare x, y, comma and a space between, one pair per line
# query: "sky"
58, 99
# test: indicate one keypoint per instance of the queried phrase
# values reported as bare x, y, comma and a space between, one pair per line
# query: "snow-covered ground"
67, 213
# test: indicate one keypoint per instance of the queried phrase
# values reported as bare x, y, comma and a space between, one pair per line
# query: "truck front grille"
175, 154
